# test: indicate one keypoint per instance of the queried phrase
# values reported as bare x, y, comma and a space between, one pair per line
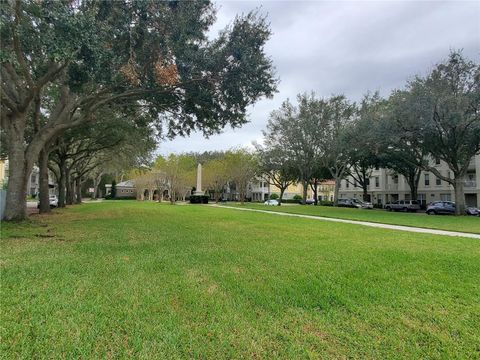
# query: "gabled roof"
128, 183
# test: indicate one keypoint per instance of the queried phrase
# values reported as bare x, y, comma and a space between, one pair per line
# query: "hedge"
199, 199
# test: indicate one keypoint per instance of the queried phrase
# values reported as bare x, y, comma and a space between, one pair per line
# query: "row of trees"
434, 117
90, 64
232, 170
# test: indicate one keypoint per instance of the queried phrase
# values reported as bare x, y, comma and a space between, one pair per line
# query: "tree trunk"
44, 195
96, 184
315, 191
70, 190
16, 205
305, 188
459, 195
365, 191
78, 191
282, 191
62, 184
336, 190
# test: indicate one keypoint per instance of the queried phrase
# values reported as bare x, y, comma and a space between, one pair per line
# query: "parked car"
271, 202
473, 211
362, 204
403, 205
309, 201
441, 207
53, 201
345, 203
354, 203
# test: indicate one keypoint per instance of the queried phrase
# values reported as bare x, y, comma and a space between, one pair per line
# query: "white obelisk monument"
198, 190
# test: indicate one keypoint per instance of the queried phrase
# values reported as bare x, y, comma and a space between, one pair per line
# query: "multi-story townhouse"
258, 189
386, 186
33, 184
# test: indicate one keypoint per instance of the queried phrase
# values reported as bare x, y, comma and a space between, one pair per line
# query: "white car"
53, 201
271, 202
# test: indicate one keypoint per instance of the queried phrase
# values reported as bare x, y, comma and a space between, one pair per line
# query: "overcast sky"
344, 47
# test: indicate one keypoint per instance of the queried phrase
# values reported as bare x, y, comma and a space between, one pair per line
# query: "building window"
446, 197
395, 179
422, 199
438, 181
33, 178
347, 184
377, 167
427, 179
437, 161
377, 181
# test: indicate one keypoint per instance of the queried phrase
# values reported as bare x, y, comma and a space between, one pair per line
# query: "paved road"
364, 223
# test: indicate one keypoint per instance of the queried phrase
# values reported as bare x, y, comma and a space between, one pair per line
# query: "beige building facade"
386, 186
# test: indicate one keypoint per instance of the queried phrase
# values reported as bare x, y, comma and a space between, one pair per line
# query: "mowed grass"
469, 224
144, 280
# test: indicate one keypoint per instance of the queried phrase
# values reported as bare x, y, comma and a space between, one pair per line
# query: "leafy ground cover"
469, 224
144, 280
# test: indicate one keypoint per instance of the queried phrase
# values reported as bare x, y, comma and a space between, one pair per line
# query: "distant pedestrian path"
364, 223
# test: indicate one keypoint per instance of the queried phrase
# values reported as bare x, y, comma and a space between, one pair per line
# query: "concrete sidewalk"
364, 223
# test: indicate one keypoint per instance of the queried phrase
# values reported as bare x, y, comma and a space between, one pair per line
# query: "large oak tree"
153, 54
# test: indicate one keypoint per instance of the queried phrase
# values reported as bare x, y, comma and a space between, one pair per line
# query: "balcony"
392, 187
470, 184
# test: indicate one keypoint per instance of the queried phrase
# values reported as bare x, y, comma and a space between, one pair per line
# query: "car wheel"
431, 212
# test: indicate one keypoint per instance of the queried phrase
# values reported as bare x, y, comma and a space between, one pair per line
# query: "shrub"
297, 197
274, 196
291, 201
325, 203
199, 199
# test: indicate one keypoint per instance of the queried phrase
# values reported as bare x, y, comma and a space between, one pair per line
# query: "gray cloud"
345, 47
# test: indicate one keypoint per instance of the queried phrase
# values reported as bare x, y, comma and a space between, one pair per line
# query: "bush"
109, 197
199, 199
291, 201
297, 197
325, 203
274, 196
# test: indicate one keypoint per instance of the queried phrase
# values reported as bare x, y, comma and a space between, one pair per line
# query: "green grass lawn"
469, 224
126, 279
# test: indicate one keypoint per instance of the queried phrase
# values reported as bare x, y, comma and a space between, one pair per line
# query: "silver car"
362, 204
403, 205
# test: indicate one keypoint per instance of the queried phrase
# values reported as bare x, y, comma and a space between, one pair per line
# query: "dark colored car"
473, 211
441, 208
